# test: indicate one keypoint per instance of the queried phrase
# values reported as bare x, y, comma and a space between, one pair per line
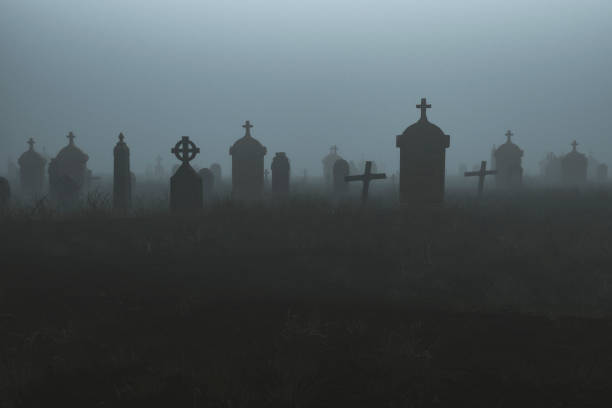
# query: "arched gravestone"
281, 172
216, 169
328, 165
574, 167
5, 192
185, 184
341, 170
68, 173
32, 171
422, 162
508, 158
122, 177
247, 166
208, 183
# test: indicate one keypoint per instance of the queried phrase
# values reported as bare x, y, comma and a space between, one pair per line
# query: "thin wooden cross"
366, 177
481, 175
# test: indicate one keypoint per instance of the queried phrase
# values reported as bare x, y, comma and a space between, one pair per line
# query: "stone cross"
247, 125
424, 106
185, 150
31, 143
509, 134
574, 144
71, 137
366, 177
481, 175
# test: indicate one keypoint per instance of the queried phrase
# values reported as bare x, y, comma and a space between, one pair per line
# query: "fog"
307, 74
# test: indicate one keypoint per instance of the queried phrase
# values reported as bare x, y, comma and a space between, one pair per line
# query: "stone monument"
32, 171
185, 183
247, 166
281, 172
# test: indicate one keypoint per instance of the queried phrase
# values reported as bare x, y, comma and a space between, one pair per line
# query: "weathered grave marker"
574, 167
122, 177
247, 166
281, 172
341, 171
481, 175
185, 184
32, 171
508, 158
365, 178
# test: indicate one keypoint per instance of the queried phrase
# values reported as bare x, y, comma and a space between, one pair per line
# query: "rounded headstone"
280, 173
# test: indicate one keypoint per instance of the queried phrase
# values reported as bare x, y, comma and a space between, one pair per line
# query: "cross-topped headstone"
247, 125
71, 137
185, 150
574, 144
481, 175
366, 177
423, 107
31, 143
509, 135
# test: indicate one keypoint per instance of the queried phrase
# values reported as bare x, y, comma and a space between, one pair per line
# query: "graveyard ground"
499, 303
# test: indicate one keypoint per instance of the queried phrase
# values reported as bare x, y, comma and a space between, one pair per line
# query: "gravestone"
68, 173
32, 171
5, 192
247, 166
574, 167
328, 165
281, 173
602, 172
365, 178
422, 162
481, 175
185, 183
216, 169
341, 170
122, 177
208, 183
509, 167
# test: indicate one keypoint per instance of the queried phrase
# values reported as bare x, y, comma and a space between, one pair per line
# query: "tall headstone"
68, 173
328, 165
208, 183
422, 162
574, 167
5, 192
122, 177
508, 158
281, 172
32, 171
216, 169
247, 166
341, 170
185, 183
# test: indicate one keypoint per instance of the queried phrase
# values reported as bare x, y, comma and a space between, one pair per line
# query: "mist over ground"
307, 74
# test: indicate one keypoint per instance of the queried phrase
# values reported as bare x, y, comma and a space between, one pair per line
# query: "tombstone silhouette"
32, 170
68, 173
185, 184
328, 165
508, 158
481, 173
365, 178
5, 192
341, 170
208, 183
247, 166
281, 172
122, 177
574, 167
422, 162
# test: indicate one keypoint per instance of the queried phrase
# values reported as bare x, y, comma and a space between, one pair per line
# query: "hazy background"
308, 74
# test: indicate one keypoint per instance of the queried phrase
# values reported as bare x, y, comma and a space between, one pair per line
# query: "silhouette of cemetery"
422, 162
508, 164
32, 171
574, 167
281, 173
247, 166
328, 164
481, 173
122, 176
366, 178
185, 184
68, 173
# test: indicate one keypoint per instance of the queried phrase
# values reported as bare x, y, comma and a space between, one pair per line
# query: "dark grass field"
502, 302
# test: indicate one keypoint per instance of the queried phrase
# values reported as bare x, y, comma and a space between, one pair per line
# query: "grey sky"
307, 74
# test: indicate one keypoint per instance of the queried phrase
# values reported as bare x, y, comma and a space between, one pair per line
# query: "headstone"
328, 165
32, 171
509, 167
216, 169
574, 167
185, 183
602, 172
5, 192
481, 175
341, 170
68, 173
208, 183
422, 162
281, 172
247, 166
365, 178
122, 177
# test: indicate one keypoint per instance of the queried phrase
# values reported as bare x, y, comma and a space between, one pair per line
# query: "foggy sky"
307, 74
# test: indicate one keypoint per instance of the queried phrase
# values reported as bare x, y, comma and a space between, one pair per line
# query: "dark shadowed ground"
500, 303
